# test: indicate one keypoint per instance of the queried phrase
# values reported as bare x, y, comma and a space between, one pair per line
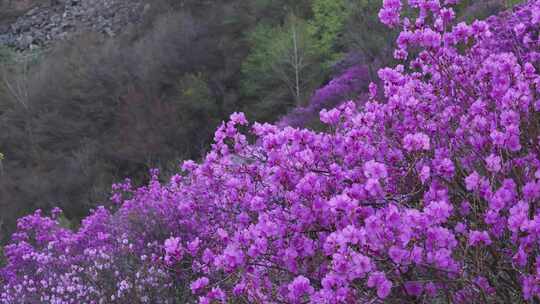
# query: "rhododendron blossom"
426, 193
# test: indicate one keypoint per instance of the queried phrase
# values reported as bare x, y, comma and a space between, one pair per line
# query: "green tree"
365, 34
276, 11
512, 3
470, 10
283, 68
329, 17
198, 113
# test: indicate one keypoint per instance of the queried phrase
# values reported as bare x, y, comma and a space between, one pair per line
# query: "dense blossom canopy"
428, 195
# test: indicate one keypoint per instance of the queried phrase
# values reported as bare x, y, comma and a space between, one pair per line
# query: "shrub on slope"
428, 195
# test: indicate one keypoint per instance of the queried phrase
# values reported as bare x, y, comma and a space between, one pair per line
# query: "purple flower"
472, 181
373, 169
493, 163
198, 284
416, 142
478, 238
414, 288
378, 280
172, 245
298, 288
430, 38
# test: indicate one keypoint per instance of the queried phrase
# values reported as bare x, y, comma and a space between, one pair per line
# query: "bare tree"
16, 76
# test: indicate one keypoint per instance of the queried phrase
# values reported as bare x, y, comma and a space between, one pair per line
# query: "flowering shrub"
428, 195
350, 85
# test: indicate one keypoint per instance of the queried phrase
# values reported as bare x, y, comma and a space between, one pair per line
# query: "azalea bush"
351, 85
427, 193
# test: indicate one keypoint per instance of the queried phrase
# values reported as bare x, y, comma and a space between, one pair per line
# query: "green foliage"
259, 60
329, 18
196, 94
365, 34
512, 3
2, 257
283, 68
197, 110
288, 60
470, 10
64, 222
276, 11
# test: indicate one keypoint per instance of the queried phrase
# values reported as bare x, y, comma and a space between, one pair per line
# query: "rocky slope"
28, 23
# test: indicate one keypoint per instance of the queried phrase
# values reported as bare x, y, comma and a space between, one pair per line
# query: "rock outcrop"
48, 20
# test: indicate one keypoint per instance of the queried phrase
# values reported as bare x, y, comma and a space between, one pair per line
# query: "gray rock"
46, 23
6, 39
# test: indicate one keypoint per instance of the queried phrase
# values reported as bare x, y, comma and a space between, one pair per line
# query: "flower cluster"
427, 193
351, 85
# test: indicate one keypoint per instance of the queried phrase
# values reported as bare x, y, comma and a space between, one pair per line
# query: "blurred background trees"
282, 69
